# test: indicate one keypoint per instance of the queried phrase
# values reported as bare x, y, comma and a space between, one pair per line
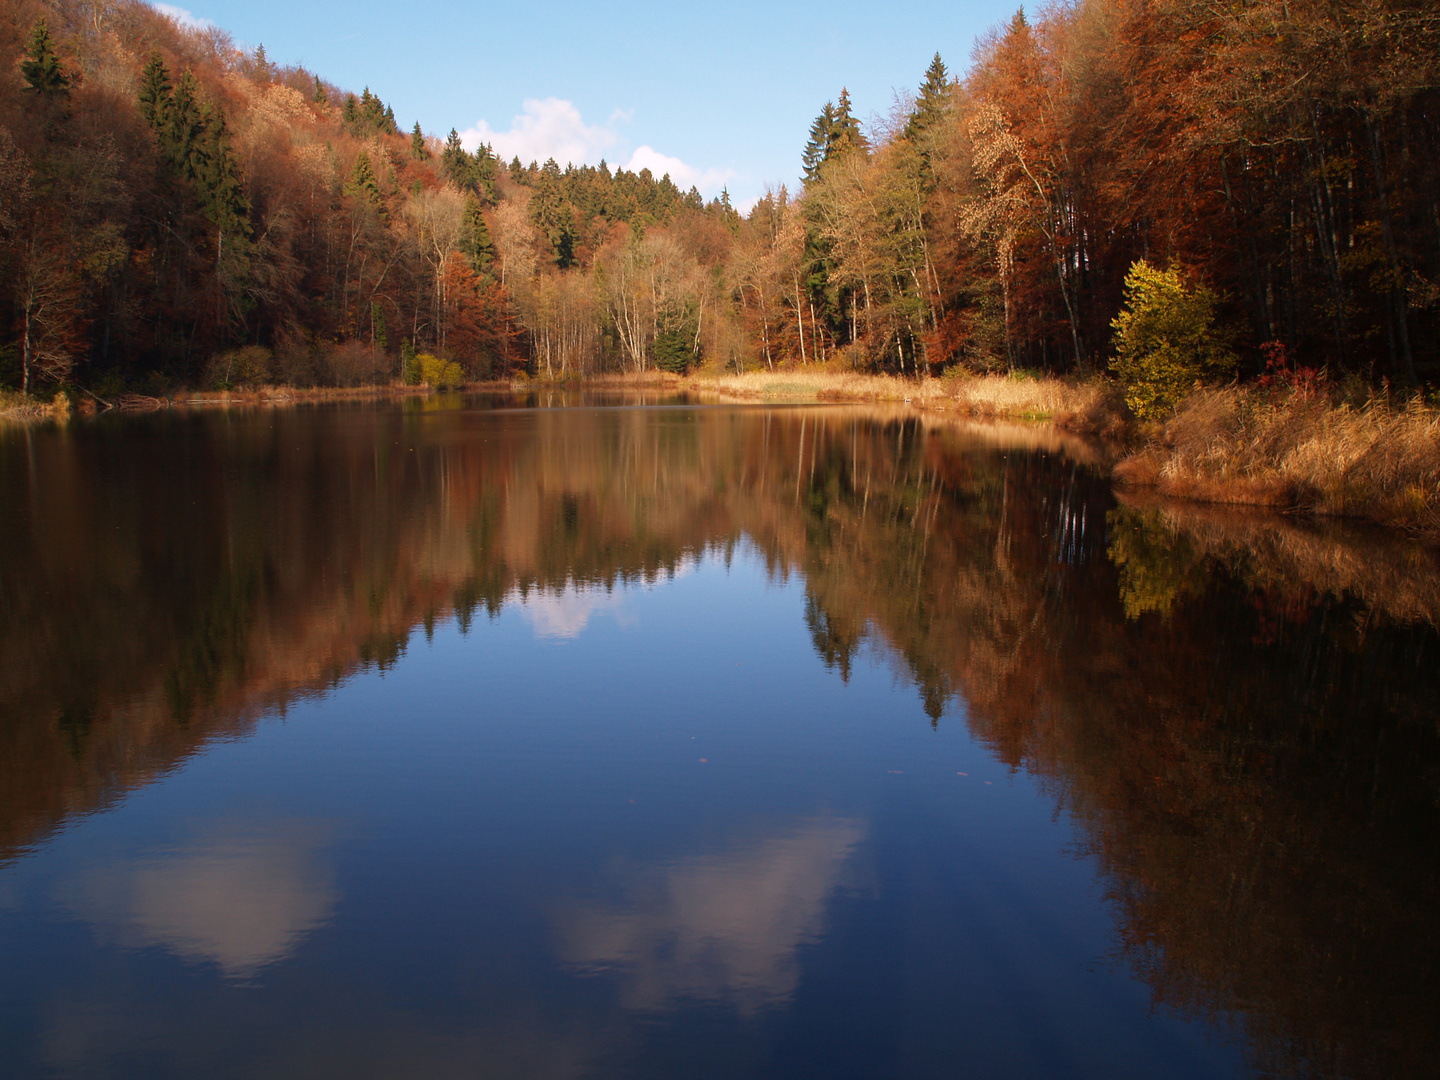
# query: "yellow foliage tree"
1165, 339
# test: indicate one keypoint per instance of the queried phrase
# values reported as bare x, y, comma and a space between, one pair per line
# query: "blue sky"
714, 94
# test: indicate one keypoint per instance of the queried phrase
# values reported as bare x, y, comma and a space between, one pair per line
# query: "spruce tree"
322, 96
417, 144
475, 242
817, 147
41, 67
217, 176
845, 131
930, 103
154, 92
365, 185
455, 163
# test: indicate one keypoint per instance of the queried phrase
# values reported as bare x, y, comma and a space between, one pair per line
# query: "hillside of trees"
174, 211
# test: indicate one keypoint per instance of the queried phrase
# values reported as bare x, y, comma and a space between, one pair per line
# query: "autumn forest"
176, 212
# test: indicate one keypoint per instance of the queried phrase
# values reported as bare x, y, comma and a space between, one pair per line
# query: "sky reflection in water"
692, 742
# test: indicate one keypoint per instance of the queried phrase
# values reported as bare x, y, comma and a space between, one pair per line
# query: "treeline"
173, 210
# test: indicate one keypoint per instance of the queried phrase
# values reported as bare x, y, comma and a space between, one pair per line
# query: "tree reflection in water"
1241, 712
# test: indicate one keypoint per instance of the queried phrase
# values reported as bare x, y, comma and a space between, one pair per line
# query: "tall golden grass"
1090, 406
1376, 461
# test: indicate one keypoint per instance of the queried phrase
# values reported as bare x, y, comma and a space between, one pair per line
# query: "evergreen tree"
41, 67
417, 144
365, 185
322, 96
475, 242
817, 147
183, 126
930, 103
845, 130
455, 163
550, 213
154, 92
217, 176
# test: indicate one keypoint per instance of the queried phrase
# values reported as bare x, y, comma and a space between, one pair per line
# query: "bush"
251, 365
1165, 340
352, 363
439, 373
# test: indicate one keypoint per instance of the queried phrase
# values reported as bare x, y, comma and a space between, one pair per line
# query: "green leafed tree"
1165, 339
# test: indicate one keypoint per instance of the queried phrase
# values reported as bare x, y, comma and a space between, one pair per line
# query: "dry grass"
1078, 405
17, 408
1378, 462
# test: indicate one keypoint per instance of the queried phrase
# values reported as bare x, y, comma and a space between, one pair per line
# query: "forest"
176, 212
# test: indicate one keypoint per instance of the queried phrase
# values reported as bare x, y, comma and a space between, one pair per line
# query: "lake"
589, 737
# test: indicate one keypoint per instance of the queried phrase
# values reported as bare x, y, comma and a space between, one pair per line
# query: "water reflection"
723, 928
1240, 713
241, 897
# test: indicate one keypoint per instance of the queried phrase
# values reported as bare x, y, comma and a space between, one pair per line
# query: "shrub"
1165, 340
251, 365
351, 363
439, 373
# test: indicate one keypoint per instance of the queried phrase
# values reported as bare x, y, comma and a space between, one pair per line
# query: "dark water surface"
426, 740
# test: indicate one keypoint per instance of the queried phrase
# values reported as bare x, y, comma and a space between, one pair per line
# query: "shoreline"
1289, 454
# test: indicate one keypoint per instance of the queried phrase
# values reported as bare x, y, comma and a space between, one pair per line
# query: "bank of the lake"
1375, 458
1370, 457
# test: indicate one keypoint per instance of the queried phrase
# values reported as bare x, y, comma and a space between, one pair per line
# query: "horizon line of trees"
173, 210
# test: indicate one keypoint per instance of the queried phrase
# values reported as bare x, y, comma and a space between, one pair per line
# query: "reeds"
1078, 405
1376, 461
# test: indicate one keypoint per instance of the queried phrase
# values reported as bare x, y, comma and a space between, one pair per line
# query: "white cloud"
549, 128
184, 18
242, 897
554, 128
566, 612
725, 927
685, 176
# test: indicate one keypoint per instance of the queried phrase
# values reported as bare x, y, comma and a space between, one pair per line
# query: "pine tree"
154, 92
417, 144
845, 131
930, 103
217, 176
322, 96
817, 147
364, 184
475, 242
183, 126
550, 213
41, 67
455, 163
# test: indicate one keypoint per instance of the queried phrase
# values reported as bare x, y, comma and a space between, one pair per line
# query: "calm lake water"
474, 738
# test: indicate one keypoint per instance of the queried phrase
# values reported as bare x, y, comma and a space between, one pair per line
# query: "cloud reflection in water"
241, 897
719, 927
